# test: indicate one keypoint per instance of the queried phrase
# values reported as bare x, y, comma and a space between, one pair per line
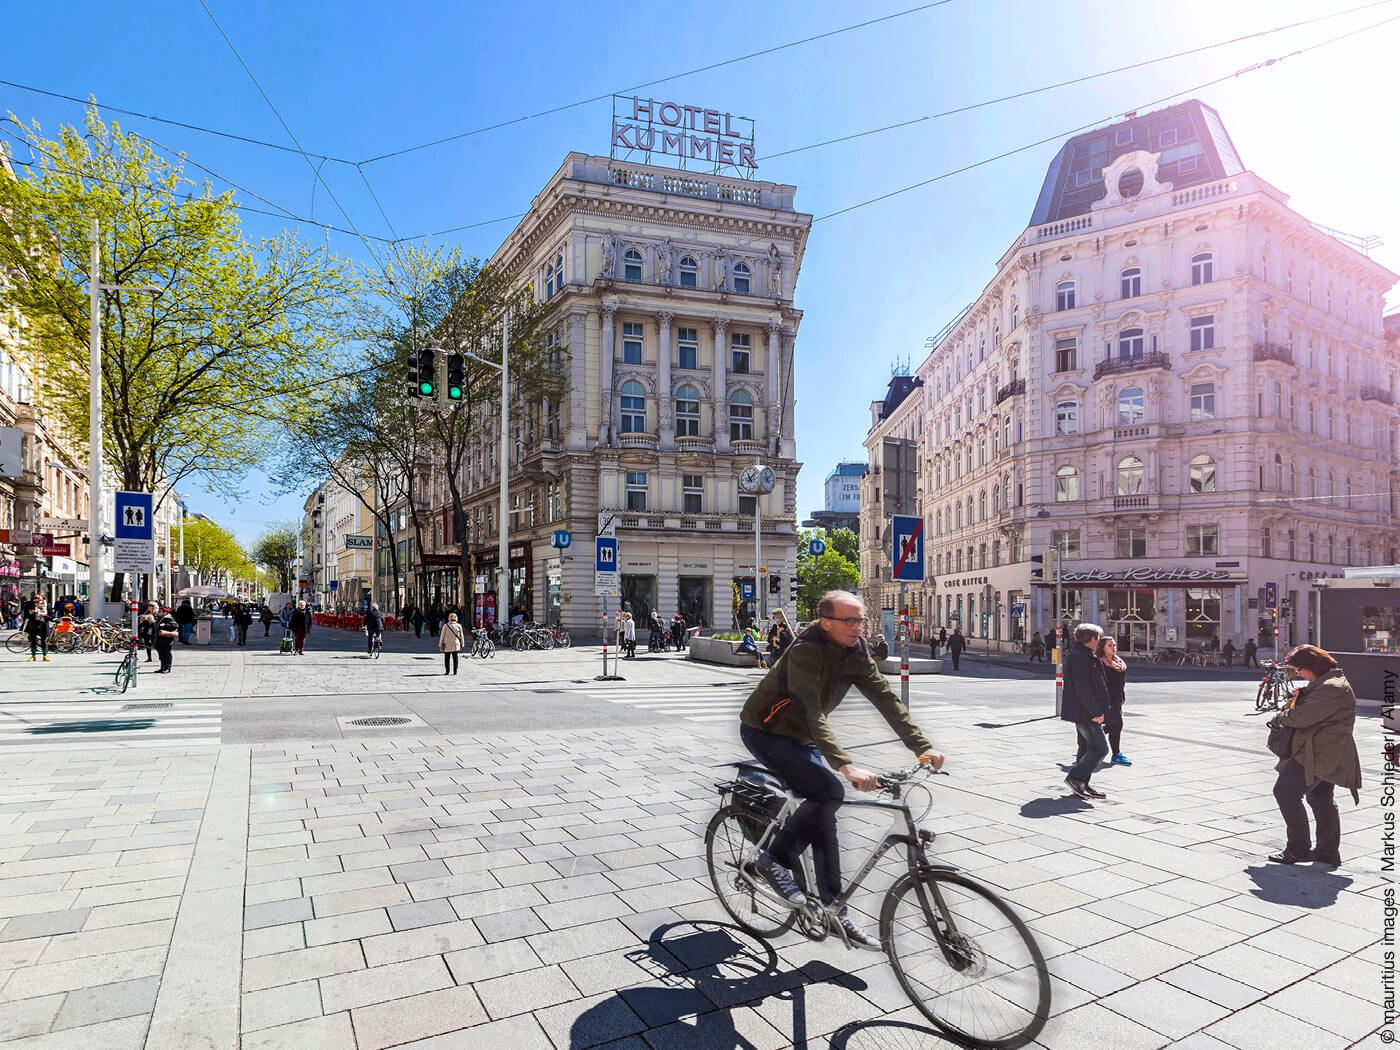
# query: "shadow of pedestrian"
1039, 808
702, 971
96, 725
1299, 885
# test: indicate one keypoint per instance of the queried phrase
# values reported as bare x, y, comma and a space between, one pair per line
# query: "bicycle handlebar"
886, 781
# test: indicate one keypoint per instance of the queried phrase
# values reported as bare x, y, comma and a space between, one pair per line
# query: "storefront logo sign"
1147, 574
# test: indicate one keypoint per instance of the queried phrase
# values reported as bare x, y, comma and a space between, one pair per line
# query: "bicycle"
129, 667
1275, 688
483, 646
376, 645
959, 952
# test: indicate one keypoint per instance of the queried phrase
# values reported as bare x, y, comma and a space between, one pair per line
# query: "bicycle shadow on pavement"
1298, 885
703, 970
888, 1035
1040, 808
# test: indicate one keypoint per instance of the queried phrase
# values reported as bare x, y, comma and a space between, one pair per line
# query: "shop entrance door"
1132, 617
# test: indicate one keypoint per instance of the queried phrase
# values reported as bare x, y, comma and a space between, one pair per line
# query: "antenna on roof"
899, 368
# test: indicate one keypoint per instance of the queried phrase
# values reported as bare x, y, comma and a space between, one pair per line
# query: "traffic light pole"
1054, 552
503, 550
904, 647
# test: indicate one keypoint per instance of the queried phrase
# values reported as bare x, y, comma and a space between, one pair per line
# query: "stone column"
720, 392
664, 402
787, 394
773, 370
606, 352
576, 400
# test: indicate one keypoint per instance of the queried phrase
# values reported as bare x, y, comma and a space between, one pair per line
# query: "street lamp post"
96, 570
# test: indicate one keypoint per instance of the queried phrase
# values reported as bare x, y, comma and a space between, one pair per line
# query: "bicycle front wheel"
965, 959
730, 849
1263, 698
17, 642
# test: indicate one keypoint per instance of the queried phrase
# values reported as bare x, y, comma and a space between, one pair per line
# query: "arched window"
1130, 475
740, 416
549, 281
970, 518
690, 272
633, 417
1015, 314
1130, 342
996, 334
1278, 472
1202, 268
1202, 474
1066, 485
959, 515
1006, 491
687, 412
1331, 482
1293, 477
741, 278
1312, 481
632, 265
1067, 417
1132, 409
1064, 295
1331, 423
996, 498
1130, 282
982, 505
938, 523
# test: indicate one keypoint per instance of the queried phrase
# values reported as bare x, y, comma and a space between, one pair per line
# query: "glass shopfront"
554, 592
638, 595
1132, 620
1203, 617
694, 595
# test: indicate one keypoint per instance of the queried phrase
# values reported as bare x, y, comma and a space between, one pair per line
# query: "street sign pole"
904, 648
1054, 553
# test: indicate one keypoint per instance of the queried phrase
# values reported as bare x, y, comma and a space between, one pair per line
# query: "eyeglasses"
849, 621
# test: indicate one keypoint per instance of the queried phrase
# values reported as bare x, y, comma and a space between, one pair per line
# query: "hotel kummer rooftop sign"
697, 137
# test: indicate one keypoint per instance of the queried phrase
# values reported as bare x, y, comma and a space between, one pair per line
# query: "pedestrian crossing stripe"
88, 725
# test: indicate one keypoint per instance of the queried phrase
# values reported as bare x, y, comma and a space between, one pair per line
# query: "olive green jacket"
1323, 720
809, 681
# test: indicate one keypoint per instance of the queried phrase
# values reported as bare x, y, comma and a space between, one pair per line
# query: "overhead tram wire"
292, 135
1077, 80
660, 80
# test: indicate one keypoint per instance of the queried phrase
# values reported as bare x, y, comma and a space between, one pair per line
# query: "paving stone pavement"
548, 890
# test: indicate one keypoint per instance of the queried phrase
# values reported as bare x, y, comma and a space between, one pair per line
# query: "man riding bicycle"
373, 628
784, 724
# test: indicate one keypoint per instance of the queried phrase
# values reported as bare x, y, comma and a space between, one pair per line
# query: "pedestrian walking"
299, 623
1037, 648
417, 622
629, 634
1229, 653
167, 631
956, 644
184, 621
244, 620
1318, 755
146, 630
1115, 673
1085, 704
36, 625
943, 638
265, 615
1251, 654
450, 641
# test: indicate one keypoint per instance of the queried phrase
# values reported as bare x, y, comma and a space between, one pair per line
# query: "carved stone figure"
668, 261
609, 257
775, 271
722, 269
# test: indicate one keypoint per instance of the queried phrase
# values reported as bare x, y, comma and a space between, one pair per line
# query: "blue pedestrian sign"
605, 566
908, 553
134, 533
561, 539
746, 591
817, 547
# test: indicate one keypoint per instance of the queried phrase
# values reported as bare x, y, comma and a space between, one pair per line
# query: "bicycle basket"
759, 792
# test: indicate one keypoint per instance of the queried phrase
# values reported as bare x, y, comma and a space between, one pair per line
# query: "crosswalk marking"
88, 725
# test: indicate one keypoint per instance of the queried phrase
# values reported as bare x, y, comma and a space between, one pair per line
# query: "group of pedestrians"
415, 618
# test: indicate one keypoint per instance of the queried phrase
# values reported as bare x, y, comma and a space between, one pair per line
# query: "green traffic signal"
454, 393
425, 388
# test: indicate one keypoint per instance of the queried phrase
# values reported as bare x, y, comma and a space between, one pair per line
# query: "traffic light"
456, 377
422, 373
775, 585
412, 386
1038, 574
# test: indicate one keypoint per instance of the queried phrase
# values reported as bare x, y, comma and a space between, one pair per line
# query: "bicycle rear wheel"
1265, 697
730, 853
965, 959
18, 642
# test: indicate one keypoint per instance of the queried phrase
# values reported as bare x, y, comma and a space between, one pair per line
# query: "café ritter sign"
687, 132
1180, 577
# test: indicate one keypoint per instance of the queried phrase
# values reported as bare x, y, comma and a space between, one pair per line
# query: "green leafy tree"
276, 551
845, 543
210, 548
238, 329
831, 571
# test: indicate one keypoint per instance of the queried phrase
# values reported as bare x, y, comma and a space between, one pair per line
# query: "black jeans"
449, 662
164, 651
242, 634
1289, 791
1113, 724
956, 654
805, 771
38, 641
1092, 749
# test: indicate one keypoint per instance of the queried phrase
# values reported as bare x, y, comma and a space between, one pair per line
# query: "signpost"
817, 547
605, 583
907, 557
134, 545
561, 539
359, 543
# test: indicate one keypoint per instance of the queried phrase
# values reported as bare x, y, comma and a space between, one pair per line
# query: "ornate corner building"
1174, 379
675, 330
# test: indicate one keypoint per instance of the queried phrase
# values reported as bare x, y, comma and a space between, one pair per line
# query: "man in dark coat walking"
956, 644
1085, 703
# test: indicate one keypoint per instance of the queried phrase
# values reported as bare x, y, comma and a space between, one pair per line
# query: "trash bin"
202, 628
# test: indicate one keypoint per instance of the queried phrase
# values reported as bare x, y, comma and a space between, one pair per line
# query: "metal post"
503, 548
760, 595
604, 604
904, 648
1059, 634
97, 590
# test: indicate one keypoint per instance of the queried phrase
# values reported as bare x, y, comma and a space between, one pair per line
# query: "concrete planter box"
916, 666
712, 651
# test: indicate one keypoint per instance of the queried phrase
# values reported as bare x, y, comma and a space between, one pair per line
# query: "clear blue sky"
358, 79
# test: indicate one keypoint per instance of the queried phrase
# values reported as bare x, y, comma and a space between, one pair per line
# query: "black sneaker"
780, 879
856, 935
1092, 791
1080, 788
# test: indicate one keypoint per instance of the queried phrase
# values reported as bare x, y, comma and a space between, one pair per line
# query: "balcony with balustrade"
746, 447
1376, 393
638, 439
1265, 351
1155, 359
1012, 389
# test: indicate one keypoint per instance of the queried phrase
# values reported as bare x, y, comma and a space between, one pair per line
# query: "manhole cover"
145, 707
380, 720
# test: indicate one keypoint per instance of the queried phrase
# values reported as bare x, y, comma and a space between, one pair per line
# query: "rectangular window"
1066, 541
687, 348
631, 343
1203, 539
740, 346
1186, 164
1131, 542
1130, 283
1064, 296
1266, 542
1203, 332
1066, 355
636, 491
1203, 270
692, 493
1166, 138
748, 506
1083, 178
1123, 136
1202, 401
1067, 417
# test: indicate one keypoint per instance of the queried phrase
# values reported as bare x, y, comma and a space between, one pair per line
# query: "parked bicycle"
482, 644
966, 960
128, 669
1275, 688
